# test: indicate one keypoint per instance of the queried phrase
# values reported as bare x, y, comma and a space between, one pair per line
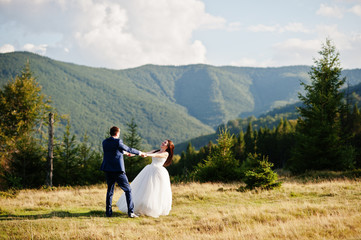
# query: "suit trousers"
122, 180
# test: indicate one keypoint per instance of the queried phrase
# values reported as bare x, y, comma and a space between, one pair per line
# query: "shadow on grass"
60, 214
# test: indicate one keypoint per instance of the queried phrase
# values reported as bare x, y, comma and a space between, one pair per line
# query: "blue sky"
121, 34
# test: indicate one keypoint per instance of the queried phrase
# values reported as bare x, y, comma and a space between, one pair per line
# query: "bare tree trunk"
49, 177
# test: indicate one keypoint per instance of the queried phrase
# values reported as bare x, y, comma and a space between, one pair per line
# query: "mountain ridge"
173, 102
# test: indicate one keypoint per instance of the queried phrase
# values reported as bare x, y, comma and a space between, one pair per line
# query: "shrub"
259, 174
220, 165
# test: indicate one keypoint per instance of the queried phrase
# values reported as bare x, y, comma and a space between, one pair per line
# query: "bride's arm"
153, 151
157, 154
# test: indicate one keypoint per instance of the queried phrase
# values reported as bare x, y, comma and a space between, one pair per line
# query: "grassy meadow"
328, 209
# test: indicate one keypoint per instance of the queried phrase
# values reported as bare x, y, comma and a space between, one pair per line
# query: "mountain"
174, 102
269, 119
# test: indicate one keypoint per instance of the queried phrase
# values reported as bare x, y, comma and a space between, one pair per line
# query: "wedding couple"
150, 192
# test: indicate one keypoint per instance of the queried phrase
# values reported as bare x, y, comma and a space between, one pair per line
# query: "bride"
151, 191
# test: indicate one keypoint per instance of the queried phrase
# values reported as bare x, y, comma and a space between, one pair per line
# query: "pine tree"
250, 139
267, 144
22, 108
239, 147
258, 173
284, 140
89, 162
28, 162
356, 134
187, 162
220, 165
67, 168
190, 158
22, 105
319, 144
133, 140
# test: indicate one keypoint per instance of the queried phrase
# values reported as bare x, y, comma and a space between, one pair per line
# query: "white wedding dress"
151, 191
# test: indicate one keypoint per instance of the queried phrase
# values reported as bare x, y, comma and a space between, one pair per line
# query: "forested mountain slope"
175, 102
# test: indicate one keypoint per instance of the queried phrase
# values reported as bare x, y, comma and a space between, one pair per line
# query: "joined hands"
142, 154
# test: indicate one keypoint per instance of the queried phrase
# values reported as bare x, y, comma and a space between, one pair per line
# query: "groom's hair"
114, 130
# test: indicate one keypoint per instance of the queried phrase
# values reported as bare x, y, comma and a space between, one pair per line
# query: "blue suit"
113, 166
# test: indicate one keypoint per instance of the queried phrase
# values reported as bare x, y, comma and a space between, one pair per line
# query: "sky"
121, 34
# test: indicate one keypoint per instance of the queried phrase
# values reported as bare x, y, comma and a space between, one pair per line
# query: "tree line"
326, 135
23, 141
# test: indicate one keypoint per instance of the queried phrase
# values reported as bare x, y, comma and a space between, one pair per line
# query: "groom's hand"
128, 154
142, 154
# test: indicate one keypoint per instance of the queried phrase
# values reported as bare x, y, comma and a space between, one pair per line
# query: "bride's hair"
170, 149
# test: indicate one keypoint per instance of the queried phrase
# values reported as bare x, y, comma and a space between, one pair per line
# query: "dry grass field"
313, 210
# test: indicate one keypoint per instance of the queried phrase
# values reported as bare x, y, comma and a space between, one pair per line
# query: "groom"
113, 166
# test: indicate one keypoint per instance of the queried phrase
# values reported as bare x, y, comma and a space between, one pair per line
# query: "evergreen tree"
267, 143
239, 147
28, 163
258, 173
67, 168
284, 139
22, 105
319, 144
76, 163
89, 162
132, 139
355, 128
84, 152
250, 139
22, 108
189, 159
220, 165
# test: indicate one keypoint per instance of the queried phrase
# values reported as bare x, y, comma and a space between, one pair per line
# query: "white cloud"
294, 27
6, 48
245, 62
251, 62
348, 45
290, 27
263, 28
117, 34
295, 43
122, 34
40, 49
356, 10
350, 57
295, 51
330, 11
234, 26
340, 39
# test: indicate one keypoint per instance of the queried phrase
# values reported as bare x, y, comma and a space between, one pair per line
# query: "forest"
175, 102
323, 134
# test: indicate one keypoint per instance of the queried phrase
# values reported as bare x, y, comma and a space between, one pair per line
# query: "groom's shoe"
133, 215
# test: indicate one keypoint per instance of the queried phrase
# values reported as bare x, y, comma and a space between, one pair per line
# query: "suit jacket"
113, 160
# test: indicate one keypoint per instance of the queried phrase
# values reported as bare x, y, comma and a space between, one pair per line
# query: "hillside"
269, 119
175, 102
96, 99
